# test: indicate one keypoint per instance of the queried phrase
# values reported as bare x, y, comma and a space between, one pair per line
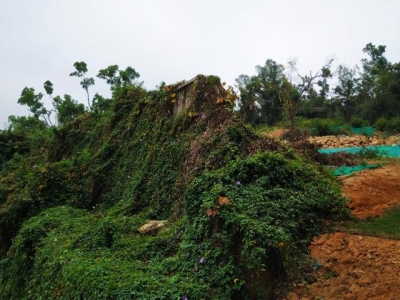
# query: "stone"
292, 296
152, 227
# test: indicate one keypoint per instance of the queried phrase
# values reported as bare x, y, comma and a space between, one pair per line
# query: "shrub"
381, 124
358, 122
326, 127
241, 208
390, 126
394, 125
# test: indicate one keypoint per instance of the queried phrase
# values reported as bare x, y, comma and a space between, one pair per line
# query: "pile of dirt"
373, 191
353, 266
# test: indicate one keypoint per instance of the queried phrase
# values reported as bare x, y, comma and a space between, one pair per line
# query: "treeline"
365, 95
65, 109
370, 92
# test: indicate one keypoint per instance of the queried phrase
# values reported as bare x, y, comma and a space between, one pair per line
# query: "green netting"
346, 170
366, 130
384, 151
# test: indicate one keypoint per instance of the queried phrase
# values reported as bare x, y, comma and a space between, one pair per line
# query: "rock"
292, 296
152, 227
354, 288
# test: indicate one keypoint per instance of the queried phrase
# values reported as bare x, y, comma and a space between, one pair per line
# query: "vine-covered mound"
240, 208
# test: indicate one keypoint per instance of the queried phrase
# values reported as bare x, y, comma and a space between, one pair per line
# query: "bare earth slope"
354, 266
373, 191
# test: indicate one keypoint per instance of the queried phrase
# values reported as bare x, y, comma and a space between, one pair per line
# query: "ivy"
240, 207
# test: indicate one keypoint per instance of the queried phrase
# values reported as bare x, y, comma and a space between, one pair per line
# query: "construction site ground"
353, 266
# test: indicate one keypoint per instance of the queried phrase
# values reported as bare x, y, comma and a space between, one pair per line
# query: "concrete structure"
182, 100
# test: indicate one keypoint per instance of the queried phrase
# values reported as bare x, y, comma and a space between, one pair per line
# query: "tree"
259, 95
118, 78
376, 97
345, 92
296, 87
67, 108
101, 104
247, 100
33, 101
24, 124
80, 71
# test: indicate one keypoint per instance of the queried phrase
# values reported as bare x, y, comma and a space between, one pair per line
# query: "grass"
386, 226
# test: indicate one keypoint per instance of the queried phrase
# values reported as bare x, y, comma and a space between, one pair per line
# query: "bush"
394, 125
326, 127
391, 126
358, 122
241, 207
381, 124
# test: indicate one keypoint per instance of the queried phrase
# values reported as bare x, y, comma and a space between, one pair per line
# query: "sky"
173, 40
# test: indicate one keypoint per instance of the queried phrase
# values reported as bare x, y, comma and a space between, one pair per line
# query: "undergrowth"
241, 208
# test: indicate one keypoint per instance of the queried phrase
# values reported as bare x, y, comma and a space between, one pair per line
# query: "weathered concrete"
182, 96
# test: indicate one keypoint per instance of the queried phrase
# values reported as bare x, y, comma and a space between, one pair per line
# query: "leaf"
192, 114
211, 212
223, 200
220, 100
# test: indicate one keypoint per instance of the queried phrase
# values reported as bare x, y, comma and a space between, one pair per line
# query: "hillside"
240, 209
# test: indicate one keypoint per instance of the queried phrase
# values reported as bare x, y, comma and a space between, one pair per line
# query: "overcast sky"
171, 40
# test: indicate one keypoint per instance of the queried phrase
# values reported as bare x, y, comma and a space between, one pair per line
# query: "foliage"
33, 101
321, 127
80, 71
388, 125
259, 95
369, 91
240, 207
117, 78
357, 122
67, 108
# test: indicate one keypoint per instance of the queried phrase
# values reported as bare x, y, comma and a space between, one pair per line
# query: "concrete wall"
182, 96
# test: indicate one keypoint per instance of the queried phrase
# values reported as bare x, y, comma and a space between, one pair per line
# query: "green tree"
101, 104
67, 108
23, 124
117, 78
376, 96
346, 91
259, 95
80, 71
247, 101
35, 105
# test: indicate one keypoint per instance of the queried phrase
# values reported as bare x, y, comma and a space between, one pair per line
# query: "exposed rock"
292, 296
152, 227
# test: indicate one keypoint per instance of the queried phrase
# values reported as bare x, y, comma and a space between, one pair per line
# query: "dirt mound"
373, 191
354, 266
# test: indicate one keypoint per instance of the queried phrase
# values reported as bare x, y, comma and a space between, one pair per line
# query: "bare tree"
296, 87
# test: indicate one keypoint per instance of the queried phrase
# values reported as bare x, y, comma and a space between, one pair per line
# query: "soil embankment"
354, 266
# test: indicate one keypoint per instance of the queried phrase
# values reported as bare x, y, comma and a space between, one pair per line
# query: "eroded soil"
373, 191
355, 266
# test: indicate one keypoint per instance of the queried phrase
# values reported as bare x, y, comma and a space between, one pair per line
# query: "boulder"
152, 227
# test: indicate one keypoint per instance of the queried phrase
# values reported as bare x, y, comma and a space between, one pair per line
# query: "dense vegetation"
366, 95
241, 208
